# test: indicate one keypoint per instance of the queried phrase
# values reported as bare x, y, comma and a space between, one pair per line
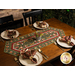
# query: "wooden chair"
6, 19
8, 22
35, 15
72, 51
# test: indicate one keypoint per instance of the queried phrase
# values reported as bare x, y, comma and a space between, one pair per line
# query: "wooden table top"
52, 51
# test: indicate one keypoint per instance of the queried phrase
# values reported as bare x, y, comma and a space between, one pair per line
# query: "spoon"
42, 53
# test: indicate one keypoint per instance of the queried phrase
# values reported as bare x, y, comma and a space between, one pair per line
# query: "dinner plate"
36, 26
66, 58
28, 62
4, 34
65, 44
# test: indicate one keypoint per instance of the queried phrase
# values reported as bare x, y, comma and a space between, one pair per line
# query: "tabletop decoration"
9, 34
38, 35
14, 46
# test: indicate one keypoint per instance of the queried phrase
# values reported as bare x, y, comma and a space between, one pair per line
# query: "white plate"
4, 34
36, 26
66, 58
65, 44
28, 62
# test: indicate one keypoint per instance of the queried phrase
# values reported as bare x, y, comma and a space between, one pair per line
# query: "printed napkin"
67, 39
29, 54
11, 33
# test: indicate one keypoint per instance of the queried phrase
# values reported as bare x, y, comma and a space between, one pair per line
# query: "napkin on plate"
67, 39
41, 24
29, 54
10, 33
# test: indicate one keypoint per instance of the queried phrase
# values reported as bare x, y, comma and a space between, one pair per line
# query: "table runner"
29, 41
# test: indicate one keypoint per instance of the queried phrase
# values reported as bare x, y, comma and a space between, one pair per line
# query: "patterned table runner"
14, 46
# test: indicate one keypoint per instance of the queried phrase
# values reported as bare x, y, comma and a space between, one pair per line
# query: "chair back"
9, 23
72, 51
35, 15
6, 19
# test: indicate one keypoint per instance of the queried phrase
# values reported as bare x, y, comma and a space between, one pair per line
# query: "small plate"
36, 26
4, 34
28, 62
66, 58
65, 44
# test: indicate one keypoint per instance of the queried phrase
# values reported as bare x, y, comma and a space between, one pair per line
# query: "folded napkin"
29, 54
10, 33
67, 39
41, 24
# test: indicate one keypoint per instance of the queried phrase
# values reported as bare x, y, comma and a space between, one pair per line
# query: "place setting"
41, 25
65, 42
30, 57
9, 34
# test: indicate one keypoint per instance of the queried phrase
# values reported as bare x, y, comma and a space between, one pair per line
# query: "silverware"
58, 46
44, 57
42, 53
32, 27
17, 61
19, 33
1, 39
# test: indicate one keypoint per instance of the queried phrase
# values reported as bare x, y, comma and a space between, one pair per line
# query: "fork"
33, 28
1, 38
16, 60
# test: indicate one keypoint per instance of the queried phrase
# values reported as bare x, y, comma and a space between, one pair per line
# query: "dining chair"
6, 19
36, 15
8, 22
72, 52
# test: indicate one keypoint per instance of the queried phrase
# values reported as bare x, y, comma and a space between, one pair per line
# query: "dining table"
51, 50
